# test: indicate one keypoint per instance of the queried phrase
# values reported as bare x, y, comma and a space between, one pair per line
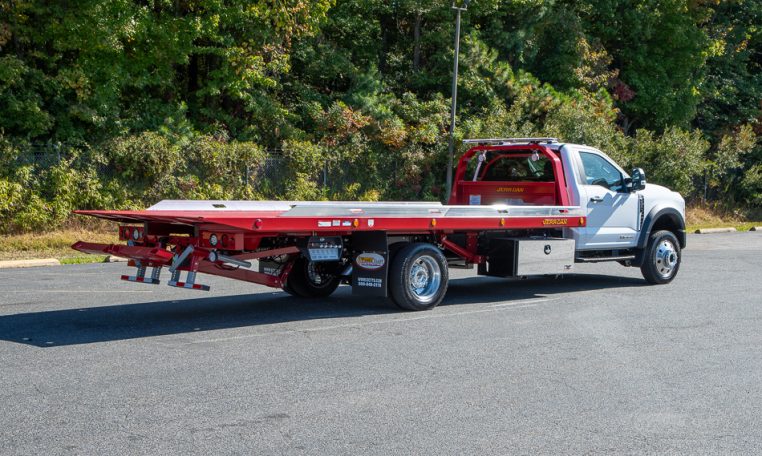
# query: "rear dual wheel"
418, 277
308, 279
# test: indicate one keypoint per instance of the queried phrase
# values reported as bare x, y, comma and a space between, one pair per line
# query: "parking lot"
594, 362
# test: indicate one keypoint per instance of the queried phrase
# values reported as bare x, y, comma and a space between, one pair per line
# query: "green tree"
733, 87
659, 48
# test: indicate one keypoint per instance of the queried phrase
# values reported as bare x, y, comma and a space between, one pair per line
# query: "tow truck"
519, 207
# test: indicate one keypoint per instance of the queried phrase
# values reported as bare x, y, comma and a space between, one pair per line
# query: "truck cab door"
612, 211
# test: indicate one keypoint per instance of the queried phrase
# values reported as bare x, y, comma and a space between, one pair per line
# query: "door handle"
596, 199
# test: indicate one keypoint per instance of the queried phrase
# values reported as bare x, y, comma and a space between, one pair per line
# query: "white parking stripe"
76, 291
524, 303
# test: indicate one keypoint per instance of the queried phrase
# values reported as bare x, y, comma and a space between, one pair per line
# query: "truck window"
512, 167
599, 171
506, 169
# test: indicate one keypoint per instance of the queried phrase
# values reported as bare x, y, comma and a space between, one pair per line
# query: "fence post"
325, 174
705, 188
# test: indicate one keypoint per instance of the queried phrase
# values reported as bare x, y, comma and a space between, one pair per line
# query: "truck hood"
656, 194
653, 189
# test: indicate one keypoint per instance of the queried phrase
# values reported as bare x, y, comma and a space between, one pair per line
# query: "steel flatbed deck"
302, 217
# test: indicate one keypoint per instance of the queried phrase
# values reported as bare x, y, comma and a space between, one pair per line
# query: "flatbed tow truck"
519, 207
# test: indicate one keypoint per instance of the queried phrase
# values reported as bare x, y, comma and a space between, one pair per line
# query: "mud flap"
370, 263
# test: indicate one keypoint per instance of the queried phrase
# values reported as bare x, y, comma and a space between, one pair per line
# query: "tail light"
224, 241
130, 233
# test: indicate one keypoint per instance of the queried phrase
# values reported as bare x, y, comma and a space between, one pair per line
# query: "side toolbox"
516, 257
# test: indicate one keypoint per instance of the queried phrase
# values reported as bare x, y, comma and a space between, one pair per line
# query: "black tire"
311, 280
424, 263
290, 289
661, 258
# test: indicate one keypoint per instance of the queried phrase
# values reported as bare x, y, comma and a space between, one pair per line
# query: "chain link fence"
268, 176
45, 155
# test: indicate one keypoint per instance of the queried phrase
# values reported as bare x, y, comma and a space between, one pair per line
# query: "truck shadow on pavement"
107, 323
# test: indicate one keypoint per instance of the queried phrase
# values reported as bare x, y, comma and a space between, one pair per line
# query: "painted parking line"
76, 291
524, 303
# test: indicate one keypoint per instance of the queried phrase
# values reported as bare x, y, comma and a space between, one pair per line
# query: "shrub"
673, 159
751, 185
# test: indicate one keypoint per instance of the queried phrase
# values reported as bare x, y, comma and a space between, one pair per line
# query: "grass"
84, 259
705, 217
56, 244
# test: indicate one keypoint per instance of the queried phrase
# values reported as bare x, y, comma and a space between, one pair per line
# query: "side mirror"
638, 180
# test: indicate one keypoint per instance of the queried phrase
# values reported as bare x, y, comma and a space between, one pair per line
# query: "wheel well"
670, 222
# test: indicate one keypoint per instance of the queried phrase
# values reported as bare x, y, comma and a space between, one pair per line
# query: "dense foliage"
119, 103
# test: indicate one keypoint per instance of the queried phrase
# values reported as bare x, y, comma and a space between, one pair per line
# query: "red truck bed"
273, 217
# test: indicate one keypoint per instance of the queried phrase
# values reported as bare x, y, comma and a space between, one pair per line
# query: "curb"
715, 230
115, 259
755, 228
29, 263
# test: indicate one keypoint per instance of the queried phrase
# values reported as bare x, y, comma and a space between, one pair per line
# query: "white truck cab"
628, 220
616, 211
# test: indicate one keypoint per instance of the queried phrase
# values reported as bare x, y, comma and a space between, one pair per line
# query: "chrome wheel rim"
665, 258
424, 278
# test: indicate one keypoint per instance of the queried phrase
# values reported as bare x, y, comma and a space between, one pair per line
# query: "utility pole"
454, 106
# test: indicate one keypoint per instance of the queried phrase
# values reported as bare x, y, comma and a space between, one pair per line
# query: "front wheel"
418, 277
308, 279
661, 258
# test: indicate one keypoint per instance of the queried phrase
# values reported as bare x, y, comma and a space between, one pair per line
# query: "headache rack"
501, 141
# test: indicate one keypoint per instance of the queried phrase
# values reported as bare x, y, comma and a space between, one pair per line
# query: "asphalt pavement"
596, 362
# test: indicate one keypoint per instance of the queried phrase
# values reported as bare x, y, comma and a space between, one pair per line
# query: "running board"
601, 259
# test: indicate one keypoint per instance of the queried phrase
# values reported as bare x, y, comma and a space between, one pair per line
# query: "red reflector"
194, 286
148, 280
